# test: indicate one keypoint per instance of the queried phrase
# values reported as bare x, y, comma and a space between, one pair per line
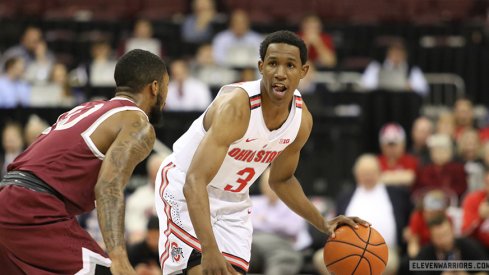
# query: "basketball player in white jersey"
202, 188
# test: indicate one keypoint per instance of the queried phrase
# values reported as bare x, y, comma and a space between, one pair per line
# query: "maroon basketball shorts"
38, 236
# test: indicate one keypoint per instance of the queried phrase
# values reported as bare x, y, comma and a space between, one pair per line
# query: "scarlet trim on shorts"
193, 242
184, 236
255, 101
164, 177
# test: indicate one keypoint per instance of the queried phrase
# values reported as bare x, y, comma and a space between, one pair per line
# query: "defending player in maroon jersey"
85, 158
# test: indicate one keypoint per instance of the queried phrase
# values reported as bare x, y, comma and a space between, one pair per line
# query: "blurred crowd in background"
425, 186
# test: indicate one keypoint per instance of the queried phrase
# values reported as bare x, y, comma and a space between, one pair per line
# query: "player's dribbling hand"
330, 226
214, 263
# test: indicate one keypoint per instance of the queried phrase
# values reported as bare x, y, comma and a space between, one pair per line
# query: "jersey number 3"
247, 173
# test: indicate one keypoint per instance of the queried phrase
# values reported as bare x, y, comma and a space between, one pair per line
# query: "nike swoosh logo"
250, 139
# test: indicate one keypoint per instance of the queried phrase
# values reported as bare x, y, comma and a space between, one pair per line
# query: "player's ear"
154, 87
260, 66
304, 70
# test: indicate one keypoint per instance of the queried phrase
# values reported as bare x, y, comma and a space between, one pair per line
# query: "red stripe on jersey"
255, 101
298, 101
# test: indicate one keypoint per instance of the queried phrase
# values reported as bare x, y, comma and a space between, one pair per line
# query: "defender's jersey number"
74, 116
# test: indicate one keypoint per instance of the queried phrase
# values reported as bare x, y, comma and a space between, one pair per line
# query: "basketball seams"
377, 244
364, 249
380, 258
369, 265
336, 241
353, 230
347, 256
360, 238
354, 245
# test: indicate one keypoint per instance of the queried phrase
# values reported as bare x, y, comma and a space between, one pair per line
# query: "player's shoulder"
134, 119
307, 120
235, 103
305, 128
228, 116
230, 110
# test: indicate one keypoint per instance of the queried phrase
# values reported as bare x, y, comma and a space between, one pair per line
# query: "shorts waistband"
28, 180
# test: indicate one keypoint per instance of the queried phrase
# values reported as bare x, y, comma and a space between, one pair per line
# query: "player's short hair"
137, 68
286, 37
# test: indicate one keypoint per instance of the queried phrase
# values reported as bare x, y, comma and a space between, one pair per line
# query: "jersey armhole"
89, 131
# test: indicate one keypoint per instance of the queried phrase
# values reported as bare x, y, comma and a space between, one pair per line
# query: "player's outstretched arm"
132, 144
227, 121
285, 184
288, 189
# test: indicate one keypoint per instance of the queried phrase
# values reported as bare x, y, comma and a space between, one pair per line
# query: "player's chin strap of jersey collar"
29, 181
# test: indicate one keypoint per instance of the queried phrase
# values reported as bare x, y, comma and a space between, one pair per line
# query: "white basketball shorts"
230, 218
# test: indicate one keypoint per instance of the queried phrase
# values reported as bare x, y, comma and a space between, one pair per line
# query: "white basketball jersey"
249, 156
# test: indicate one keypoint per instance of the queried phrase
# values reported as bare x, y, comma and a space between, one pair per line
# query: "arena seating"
345, 125
452, 53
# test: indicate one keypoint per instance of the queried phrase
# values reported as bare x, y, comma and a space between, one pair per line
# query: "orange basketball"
359, 251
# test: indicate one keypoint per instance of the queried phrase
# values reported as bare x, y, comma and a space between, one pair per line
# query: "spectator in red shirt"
476, 214
319, 44
443, 172
434, 203
397, 166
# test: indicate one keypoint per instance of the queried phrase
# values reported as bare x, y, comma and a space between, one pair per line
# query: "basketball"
359, 251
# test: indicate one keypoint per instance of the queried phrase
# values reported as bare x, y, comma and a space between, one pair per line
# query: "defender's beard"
156, 114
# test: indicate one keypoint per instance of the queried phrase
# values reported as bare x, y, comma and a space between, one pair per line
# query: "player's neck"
127, 95
274, 115
137, 99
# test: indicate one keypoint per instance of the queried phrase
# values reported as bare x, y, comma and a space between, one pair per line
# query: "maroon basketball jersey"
65, 157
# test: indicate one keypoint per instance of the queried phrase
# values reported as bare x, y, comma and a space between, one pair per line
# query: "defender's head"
142, 73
